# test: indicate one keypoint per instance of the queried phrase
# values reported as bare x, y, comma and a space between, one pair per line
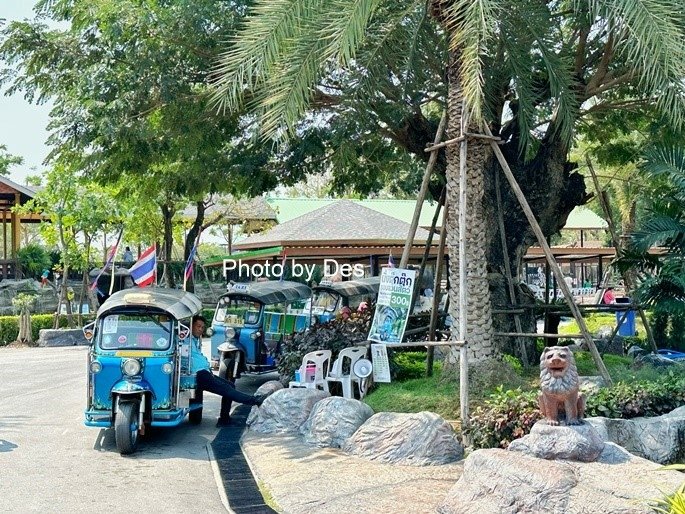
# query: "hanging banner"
392, 306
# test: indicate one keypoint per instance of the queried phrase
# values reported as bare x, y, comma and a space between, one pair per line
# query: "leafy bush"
334, 335
9, 326
33, 259
632, 399
514, 362
506, 415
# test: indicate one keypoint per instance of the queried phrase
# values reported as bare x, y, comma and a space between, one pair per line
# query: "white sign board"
392, 306
381, 364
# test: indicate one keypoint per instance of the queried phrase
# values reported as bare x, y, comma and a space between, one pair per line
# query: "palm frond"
650, 36
661, 231
255, 51
667, 162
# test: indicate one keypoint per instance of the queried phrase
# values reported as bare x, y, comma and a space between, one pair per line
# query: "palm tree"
662, 278
530, 70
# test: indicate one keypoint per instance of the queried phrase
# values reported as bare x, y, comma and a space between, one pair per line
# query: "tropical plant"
23, 303
529, 70
33, 259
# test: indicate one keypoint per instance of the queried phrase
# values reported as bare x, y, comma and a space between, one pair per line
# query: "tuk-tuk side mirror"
209, 332
183, 331
89, 331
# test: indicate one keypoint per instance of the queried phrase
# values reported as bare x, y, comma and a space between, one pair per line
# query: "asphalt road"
51, 462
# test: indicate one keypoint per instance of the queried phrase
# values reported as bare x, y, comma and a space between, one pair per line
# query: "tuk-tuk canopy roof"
270, 292
363, 286
178, 304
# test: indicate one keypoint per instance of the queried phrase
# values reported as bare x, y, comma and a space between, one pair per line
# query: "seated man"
208, 381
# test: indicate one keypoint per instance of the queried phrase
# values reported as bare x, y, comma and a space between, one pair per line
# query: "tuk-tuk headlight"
131, 367
230, 333
255, 335
167, 368
95, 367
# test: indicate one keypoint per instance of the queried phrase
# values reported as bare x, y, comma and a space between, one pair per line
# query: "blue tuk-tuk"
329, 297
250, 322
137, 374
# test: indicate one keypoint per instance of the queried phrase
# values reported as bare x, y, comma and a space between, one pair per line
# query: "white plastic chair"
346, 379
321, 359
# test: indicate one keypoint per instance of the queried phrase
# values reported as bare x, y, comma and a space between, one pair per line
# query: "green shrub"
407, 365
9, 326
506, 415
633, 399
33, 259
514, 362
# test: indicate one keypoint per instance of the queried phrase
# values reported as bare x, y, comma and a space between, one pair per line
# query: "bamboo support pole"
550, 259
422, 193
436, 295
614, 239
459, 139
507, 269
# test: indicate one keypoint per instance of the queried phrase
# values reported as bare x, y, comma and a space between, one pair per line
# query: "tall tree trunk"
168, 212
192, 235
478, 311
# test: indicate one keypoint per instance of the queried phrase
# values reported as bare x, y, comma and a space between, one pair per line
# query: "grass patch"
597, 322
440, 393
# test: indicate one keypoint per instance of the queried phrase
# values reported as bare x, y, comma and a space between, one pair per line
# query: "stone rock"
422, 439
654, 359
269, 387
577, 442
659, 439
333, 420
498, 481
285, 410
62, 337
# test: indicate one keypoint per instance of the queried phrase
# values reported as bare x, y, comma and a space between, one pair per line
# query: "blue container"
627, 328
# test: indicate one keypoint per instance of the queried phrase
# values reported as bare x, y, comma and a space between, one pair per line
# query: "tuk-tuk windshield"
237, 311
324, 302
135, 331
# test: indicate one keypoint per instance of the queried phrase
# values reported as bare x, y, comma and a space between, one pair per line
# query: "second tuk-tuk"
138, 369
329, 297
250, 322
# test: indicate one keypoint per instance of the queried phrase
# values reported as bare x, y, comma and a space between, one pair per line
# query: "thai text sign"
393, 305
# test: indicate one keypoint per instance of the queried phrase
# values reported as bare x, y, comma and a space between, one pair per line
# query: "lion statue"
559, 387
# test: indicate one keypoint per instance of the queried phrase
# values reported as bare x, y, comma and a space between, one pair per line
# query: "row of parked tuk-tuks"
136, 372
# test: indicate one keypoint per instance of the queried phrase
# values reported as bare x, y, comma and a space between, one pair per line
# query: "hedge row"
9, 326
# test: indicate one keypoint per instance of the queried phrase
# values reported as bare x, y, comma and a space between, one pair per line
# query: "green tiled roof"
403, 210
250, 254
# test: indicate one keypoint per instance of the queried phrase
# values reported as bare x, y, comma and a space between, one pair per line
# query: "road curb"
217, 478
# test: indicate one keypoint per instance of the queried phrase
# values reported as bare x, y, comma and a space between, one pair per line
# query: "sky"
22, 125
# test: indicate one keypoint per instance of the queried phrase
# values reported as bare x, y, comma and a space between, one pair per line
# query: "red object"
609, 296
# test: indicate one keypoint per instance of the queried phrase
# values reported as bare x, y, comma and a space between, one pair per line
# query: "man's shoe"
223, 422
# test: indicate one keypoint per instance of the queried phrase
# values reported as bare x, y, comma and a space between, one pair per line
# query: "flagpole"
114, 254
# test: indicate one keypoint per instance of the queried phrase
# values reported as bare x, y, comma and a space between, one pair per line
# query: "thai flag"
391, 261
144, 270
191, 260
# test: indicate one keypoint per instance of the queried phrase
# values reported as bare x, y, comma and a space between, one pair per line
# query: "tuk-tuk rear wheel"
126, 427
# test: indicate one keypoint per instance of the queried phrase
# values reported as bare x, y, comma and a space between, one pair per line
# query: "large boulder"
333, 420
577, 442
61, 337
270, 387
659, 439
285, 410
422, 439
502, 482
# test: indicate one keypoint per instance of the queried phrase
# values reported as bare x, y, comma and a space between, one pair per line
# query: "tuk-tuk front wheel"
126, 427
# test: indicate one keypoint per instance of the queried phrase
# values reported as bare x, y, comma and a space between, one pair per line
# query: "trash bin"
627, 328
